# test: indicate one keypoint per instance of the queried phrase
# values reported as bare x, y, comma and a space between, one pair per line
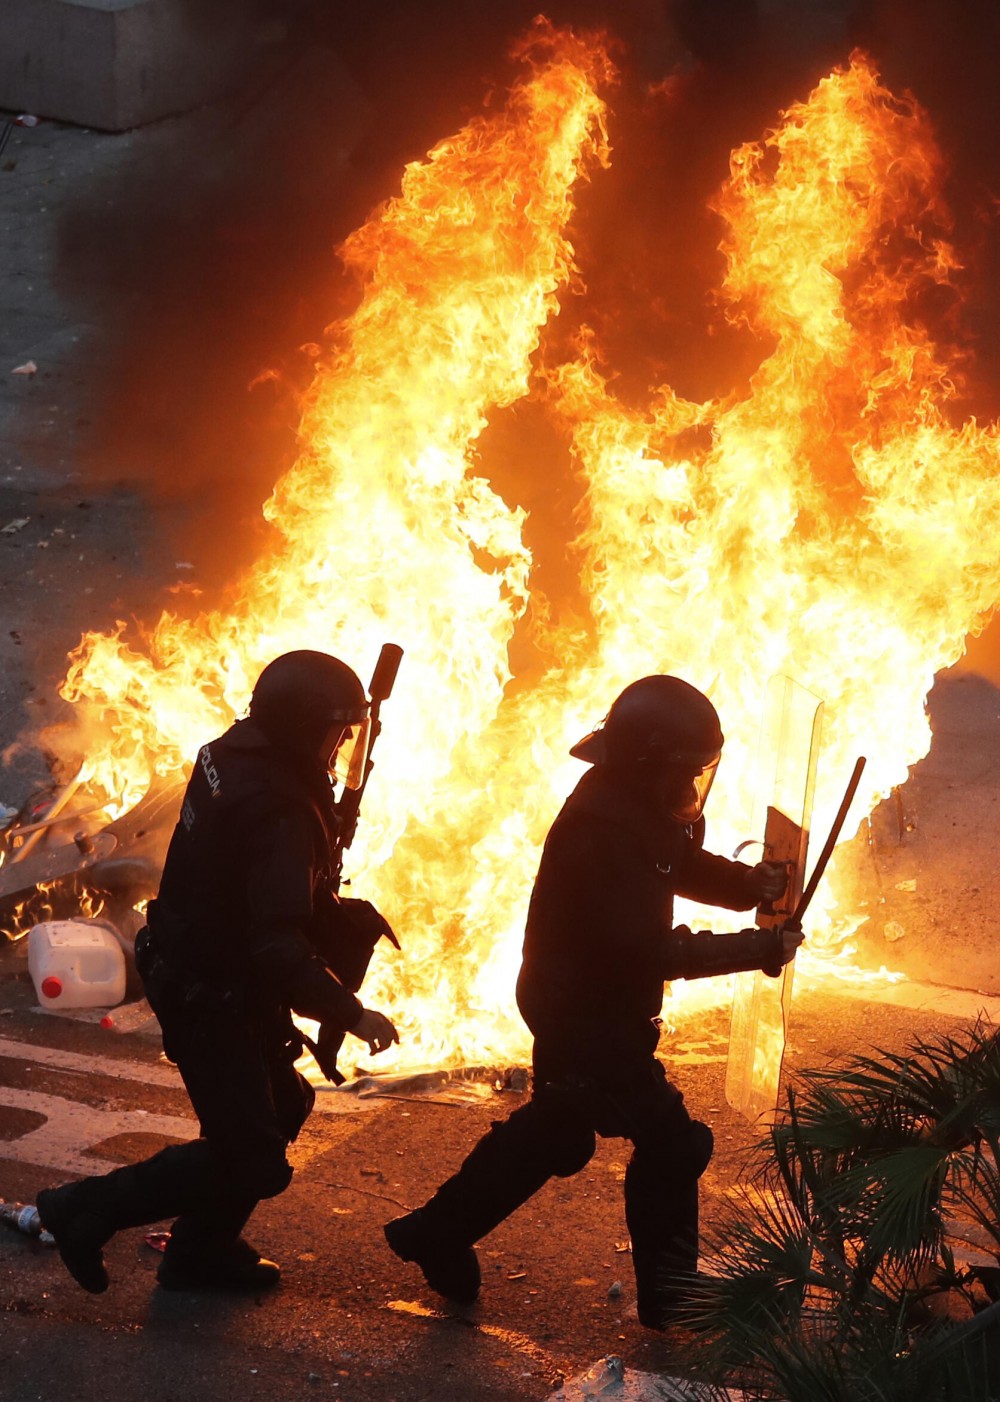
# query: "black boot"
510, 1163
206, 1249
450, 1269
238, 1266
662, 1219
662, 1296
80, 1232
688, 1301
83, 1216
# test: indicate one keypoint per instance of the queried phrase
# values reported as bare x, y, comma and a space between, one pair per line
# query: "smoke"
206, 256
212, 245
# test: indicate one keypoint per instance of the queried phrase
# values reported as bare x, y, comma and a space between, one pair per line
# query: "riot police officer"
247, 927
599, 944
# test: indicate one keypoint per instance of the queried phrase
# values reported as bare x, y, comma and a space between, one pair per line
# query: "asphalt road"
349, 1319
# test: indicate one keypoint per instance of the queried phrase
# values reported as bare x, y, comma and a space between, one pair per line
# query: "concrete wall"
114, 64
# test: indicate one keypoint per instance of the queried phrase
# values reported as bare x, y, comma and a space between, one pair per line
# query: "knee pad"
265, 1175
294, 1103
675, 1161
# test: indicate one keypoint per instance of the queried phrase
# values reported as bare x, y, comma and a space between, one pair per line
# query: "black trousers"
250, 1102
554, 1134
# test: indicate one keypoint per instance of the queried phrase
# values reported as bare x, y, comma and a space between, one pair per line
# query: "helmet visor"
685, 792
345, 751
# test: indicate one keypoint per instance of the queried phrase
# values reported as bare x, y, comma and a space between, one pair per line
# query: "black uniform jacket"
245, 905
599, 941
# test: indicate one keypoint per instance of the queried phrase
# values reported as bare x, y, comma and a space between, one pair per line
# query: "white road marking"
334, 1103
70, 1127
164, 1075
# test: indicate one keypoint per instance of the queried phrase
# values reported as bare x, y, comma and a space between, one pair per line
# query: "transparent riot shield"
788, 751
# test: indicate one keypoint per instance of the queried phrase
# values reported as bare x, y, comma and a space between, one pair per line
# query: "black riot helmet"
665, 734
314, 708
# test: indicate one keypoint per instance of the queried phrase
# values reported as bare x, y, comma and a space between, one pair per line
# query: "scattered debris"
610, 1379
28, 368
892, 931
121, 860
76, 964
514, 1078
604, 1378
7, 125
16, 525
23, 1217
128, 1017
457, 1086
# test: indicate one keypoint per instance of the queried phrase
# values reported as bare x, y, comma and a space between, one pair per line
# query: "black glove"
789, 937
767, 882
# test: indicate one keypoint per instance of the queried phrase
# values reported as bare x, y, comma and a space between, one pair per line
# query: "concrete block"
115, 64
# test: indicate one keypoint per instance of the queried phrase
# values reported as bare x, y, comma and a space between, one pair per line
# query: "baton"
350, 803
795, 922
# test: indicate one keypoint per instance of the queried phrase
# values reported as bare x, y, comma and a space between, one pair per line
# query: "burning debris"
57, 861
829, 522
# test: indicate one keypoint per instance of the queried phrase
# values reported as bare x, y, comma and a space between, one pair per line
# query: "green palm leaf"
840, 1227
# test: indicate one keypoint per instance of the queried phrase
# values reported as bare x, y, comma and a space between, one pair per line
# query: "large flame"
828, 522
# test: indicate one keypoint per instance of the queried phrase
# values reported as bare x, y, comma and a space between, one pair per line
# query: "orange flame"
837, 527
829, 523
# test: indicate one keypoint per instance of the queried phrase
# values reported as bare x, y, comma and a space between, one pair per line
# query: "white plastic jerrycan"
76, 964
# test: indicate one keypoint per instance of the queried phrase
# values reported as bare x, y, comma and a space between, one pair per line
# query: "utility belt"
193, 1004
617, 1107
166, 962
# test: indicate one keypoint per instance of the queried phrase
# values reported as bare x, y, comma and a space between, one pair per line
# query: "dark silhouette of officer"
599, 944
247, 928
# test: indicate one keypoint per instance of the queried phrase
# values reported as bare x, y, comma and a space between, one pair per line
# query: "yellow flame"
829, 523
836, 527
38, 908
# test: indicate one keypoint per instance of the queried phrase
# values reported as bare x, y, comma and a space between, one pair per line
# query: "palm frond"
972, 1191
945, 1085
840, 1227
893, 1203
